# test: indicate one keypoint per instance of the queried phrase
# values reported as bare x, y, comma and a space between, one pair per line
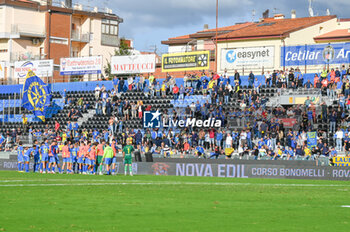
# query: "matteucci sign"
133, 64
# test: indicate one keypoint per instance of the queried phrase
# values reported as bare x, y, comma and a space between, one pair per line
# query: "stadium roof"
272, 28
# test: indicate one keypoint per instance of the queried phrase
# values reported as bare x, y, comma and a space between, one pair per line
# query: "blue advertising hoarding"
318, 54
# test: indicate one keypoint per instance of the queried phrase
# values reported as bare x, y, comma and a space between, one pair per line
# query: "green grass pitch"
47, 202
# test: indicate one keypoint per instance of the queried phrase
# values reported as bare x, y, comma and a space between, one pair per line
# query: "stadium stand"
256, 122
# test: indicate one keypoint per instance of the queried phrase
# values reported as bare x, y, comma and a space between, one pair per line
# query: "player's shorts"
80, 160
74, 159
20, 159
108, 161
36, 159
52, 159
92, 162
128, 160
114, 160
26, 158
57, 160
87, 161
66, 160
45, 158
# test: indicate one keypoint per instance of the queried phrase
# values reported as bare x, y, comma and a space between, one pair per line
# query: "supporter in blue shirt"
219, 137
308, 84
261, 143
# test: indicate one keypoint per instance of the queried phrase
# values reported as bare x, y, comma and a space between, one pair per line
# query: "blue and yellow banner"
36, 95
341, 161
311, 139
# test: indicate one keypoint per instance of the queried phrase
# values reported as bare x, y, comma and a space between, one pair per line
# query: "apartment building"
45, 29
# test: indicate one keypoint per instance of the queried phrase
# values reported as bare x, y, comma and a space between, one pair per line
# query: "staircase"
90, 113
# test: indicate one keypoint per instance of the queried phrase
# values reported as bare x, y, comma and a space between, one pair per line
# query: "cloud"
156, 20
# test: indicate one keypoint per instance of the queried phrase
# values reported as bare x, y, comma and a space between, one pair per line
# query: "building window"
109, 27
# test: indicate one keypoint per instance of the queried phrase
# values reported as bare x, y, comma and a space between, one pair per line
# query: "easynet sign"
133, 64
81, 65
255, 57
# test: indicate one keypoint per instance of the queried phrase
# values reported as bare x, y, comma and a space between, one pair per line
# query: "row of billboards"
132, 64
231, 58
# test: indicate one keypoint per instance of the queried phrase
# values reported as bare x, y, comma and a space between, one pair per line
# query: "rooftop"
208, 33
271, 27
335, 35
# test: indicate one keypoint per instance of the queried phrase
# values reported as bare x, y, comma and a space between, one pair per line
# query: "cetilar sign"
315, 54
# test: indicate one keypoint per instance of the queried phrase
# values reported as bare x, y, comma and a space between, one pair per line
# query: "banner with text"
185, 61
226, 170
42, 68
81, 65
334, 53
252, 57
2, 69
133, 64
341, 161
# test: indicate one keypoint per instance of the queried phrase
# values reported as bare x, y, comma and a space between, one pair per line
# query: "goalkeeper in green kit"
127, 150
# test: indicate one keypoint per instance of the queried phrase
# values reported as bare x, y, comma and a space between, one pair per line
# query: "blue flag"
311, 139
36, 95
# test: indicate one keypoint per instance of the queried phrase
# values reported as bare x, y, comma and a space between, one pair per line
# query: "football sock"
27, 167
126, 168
59, 168
19, 166
130, 169
22, 166
41, 166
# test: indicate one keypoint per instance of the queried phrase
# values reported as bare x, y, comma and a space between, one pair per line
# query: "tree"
124, 50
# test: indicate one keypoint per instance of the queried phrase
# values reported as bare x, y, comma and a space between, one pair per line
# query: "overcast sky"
148, 22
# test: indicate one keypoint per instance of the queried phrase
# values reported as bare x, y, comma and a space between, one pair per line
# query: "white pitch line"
345, 206
108, 182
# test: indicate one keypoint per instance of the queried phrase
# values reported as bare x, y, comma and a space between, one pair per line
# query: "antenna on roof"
253, 15
266, 14
328, 13
311, 11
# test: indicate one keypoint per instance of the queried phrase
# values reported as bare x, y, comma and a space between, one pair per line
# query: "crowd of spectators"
251, 128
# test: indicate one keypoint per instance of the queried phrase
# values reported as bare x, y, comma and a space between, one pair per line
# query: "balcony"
28, 30
22, 56
80, 37
110, 40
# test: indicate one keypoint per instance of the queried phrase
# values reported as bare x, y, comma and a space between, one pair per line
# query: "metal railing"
82, 37
301, 91
29, 29
21, 56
